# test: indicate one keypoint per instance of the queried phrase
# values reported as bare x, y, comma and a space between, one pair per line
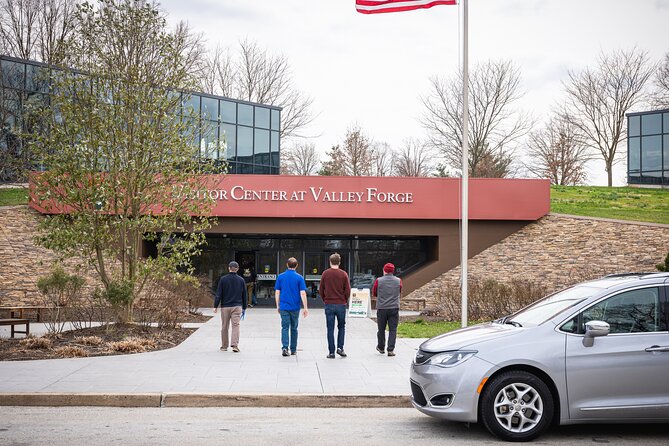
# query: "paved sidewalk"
197, 365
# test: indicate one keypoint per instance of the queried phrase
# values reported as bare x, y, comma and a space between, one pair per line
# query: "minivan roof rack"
632, 274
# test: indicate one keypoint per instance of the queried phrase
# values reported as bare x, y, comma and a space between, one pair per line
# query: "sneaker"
235, 349
340, 352
330, 356
284, 352
293, 352
380, 350
223, 349
391, 353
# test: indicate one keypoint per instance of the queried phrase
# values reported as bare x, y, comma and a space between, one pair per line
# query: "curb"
203, 400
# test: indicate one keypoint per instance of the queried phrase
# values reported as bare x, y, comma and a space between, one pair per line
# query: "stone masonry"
559, 250
22, 262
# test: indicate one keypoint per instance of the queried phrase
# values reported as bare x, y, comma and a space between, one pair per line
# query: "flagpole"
465, 160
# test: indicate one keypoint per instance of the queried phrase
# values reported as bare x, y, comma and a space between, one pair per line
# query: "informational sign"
266, 277
359, 302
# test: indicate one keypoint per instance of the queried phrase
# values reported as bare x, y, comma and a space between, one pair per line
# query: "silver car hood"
463, 337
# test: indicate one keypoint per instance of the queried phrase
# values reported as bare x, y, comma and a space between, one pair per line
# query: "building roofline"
648, 112
199, 93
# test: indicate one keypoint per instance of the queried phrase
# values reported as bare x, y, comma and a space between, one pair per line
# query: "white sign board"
358, 304
266, 277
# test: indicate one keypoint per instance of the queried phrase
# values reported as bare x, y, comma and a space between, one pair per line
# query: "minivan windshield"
544, 309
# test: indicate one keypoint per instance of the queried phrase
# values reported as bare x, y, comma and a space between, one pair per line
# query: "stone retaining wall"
560, 250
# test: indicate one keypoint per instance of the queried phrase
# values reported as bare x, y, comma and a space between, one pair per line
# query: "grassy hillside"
622, 203
13, 196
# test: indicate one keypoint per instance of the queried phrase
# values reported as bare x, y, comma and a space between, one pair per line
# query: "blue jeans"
289, 321
333, 311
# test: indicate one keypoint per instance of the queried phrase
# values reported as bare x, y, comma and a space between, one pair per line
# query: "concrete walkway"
197, 366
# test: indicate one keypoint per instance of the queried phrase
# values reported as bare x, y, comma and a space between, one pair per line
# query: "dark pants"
391, 318
333, 311
289, 322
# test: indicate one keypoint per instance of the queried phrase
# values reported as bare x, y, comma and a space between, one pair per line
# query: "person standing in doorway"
231, 296
290, 289
249, 276
387, 290
335, 289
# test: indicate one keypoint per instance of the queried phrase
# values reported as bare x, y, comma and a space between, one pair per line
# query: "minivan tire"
516, 406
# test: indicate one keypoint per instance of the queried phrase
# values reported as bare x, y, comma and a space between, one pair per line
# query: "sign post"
359, 302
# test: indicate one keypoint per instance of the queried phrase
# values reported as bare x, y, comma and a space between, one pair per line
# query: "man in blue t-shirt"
290, 288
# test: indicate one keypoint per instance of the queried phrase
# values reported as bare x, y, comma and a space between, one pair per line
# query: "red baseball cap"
388, 268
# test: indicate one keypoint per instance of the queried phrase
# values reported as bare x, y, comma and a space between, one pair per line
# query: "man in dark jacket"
232, 297
387, 290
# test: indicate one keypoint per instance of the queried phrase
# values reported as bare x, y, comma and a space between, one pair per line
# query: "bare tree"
19, 24
253, 74
300, 159
495, 127
557, 152
335, 164
598, 99
383, 157
56, 23
414, 159
354, 157
192, 48
661, 93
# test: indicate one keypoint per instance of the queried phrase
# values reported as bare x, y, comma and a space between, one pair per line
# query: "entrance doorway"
247, 270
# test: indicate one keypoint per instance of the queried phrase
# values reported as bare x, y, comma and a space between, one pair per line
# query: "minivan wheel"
516, 406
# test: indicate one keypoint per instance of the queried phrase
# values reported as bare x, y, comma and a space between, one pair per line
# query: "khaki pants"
249, 292
230, 314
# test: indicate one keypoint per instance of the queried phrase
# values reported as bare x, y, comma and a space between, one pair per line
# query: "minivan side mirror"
594, 329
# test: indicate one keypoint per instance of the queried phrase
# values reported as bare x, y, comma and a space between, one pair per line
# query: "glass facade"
648, 148
244, 134
362, 258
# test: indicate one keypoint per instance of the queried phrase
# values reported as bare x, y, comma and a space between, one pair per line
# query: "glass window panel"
228, 111
245, 114
292, 243
666, 123
261, 147
633, 154
261, 170
267, 263
651, 124
634, 123
274, 142
262, 117
12, 74
229, 140
651, 153
209, 108
275, 120
209, 140
275, 170
276, 161
666, 152
232, 168
244, 168
191, 104
244, 144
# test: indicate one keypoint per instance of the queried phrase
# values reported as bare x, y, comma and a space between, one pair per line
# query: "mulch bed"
115, 339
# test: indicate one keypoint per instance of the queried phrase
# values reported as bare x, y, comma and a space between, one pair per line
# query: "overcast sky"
373, 69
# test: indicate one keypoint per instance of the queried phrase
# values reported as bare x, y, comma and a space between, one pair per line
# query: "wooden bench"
419, 302
14, 322
18, 312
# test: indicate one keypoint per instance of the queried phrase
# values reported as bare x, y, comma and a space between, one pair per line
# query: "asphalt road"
282, 426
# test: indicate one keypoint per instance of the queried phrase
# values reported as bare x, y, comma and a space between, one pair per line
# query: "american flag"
380, 6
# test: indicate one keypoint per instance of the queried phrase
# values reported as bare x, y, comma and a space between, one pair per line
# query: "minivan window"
546, 308
634, 311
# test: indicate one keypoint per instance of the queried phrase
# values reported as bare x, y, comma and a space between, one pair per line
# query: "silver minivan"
595, 352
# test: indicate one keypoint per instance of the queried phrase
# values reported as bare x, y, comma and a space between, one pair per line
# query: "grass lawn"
424, 329
622, 203
13, 196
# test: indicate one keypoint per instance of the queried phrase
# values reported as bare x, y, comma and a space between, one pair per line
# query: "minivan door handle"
657, 348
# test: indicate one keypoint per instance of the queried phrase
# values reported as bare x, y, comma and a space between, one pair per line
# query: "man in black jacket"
232, 297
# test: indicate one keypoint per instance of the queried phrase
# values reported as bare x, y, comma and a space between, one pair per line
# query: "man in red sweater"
335, 289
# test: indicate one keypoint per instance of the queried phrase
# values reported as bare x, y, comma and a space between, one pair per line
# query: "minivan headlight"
452, 358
